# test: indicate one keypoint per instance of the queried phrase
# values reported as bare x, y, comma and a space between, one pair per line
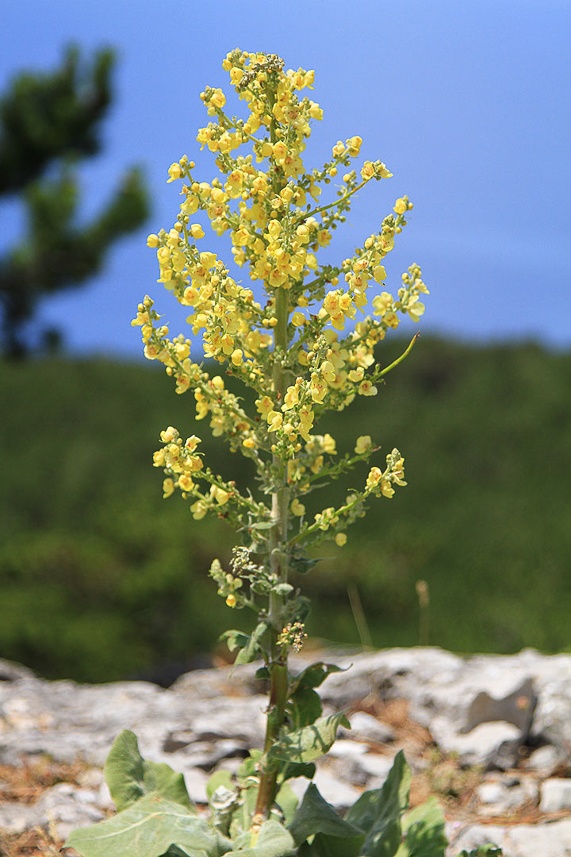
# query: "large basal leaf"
130, 777
335, 837
273, 840
378, 813
423, 829
147, 829
304, 745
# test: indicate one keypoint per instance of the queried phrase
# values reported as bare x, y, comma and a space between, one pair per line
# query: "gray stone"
555, 795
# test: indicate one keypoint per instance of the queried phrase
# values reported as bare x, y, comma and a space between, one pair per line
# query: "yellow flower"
199, 510
168, 487
219, 494
217, 98
374, 477
366, 388
363, 444
169, 434
386, 488
274, 420
367, 170
297, 508
175, 172
196, 230
185, 482
340, 539
264, 405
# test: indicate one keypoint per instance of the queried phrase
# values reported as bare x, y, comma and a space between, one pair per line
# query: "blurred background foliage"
49, 122
102, 579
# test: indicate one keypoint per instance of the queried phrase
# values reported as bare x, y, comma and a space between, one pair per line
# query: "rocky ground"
489, 735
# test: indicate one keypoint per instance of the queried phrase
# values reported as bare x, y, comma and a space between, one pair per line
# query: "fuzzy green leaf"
148, 828
234, 640
287, 801
304, 745
423, 829
315, 675
273, 840
130, 777
378, 813
335, 837
305, 706
252, 648
292, 771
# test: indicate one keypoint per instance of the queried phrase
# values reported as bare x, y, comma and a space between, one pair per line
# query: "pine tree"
48, 124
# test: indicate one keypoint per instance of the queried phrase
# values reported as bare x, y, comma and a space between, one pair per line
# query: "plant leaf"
287, 801
423, 829
148, 828
304, 745
252, 648
234, 640
315, 675
335, 837
130, 777
273, 840
378, 813
305, 706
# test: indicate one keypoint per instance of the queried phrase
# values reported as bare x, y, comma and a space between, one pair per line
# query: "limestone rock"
523, 840
555, 795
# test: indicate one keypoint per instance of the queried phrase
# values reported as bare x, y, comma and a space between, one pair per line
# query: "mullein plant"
307, 347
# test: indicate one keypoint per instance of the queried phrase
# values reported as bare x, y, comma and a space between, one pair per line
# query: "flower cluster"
306, 344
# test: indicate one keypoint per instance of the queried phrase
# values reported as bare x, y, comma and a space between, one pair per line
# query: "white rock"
375, 765
545, 760
555, 795
344, 748
364, 725
332, 789
506, 795
491, 792
524, 840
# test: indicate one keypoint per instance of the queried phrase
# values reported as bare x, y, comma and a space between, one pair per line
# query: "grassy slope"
100, 578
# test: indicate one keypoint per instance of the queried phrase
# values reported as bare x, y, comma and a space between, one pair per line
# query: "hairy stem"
279, 567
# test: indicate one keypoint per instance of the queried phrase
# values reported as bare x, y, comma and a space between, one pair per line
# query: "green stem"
279, 567
401, 358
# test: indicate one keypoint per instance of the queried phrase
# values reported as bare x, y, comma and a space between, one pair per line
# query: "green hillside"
100, 578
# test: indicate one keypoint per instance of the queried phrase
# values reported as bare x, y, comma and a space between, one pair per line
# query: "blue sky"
467, 102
